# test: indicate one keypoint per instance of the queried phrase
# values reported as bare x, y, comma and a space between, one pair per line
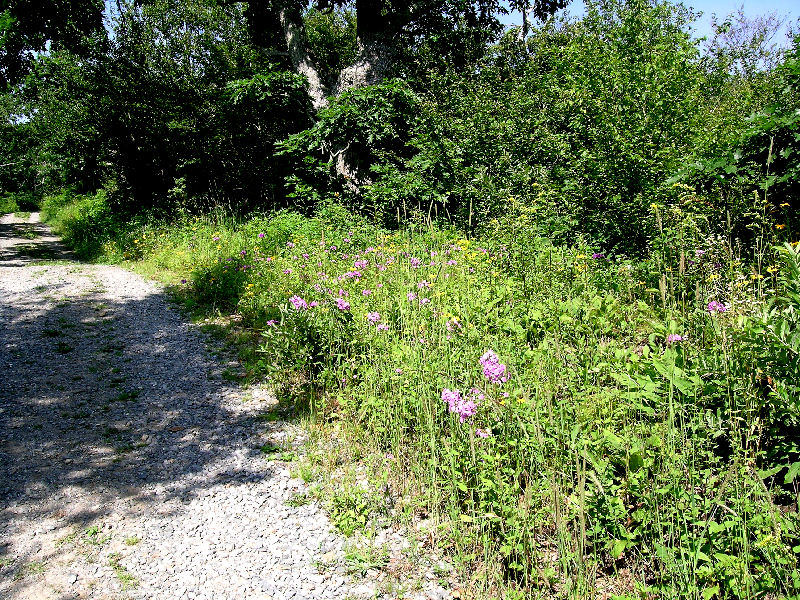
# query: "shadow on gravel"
23, 242
109, 406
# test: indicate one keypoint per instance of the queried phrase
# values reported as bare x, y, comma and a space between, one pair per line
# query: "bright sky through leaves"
722, 8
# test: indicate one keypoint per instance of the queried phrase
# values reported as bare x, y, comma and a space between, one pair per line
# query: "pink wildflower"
716, 307
298, 303
493, 369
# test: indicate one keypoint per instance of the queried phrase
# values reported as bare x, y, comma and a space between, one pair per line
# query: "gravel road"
130, 466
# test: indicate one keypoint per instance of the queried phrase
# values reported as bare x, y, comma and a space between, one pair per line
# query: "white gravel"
129, 467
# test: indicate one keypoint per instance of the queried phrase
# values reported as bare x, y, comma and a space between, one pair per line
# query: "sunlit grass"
561, 413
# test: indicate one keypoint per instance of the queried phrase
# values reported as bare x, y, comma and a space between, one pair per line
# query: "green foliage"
637, 429
365, 127
752, 164
28, 27
331, 40
591, 116
87, 223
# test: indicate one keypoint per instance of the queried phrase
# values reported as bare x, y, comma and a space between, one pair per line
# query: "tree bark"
295, 34
373, 35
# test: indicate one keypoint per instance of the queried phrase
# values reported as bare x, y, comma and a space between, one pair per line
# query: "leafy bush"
87, 223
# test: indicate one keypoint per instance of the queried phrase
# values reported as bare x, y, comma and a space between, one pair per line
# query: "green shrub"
87, 223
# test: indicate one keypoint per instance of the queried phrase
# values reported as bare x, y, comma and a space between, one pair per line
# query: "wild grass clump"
572, 420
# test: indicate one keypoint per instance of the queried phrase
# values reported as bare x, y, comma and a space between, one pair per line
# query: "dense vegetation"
542, 285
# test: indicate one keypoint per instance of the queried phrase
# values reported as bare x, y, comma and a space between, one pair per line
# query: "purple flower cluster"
716, 307
342, 304
298, 303
674, 337
373, 317
465, 408
493, 369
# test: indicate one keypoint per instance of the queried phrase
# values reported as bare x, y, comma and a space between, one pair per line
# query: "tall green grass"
640, 436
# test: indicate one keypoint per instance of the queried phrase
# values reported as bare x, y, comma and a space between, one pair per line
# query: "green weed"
125, 578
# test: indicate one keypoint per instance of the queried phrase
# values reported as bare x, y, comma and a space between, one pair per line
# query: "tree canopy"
28, 27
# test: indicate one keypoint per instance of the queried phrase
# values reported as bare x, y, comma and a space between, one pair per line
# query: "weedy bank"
571, 422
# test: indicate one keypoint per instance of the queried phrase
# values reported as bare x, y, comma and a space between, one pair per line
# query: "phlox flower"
261, 236
424, 301
716, 307
342, 304
287, 271
464, 408
383, 327
411, 296
343, 293
493, 369
373, 317
415, 262
674, 337
298, 303
361, 264
290, 244
366, 292
423, 284
272, 323
483, 433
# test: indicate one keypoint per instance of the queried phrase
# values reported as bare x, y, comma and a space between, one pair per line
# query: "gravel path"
130, 467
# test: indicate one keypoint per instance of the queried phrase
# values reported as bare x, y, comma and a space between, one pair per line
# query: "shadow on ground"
108, 404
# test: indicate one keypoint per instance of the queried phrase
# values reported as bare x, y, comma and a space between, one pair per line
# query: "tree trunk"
373, 34
371, 66
295, 34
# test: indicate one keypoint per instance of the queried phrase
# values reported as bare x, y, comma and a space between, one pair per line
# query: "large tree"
28, 27
392, 37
